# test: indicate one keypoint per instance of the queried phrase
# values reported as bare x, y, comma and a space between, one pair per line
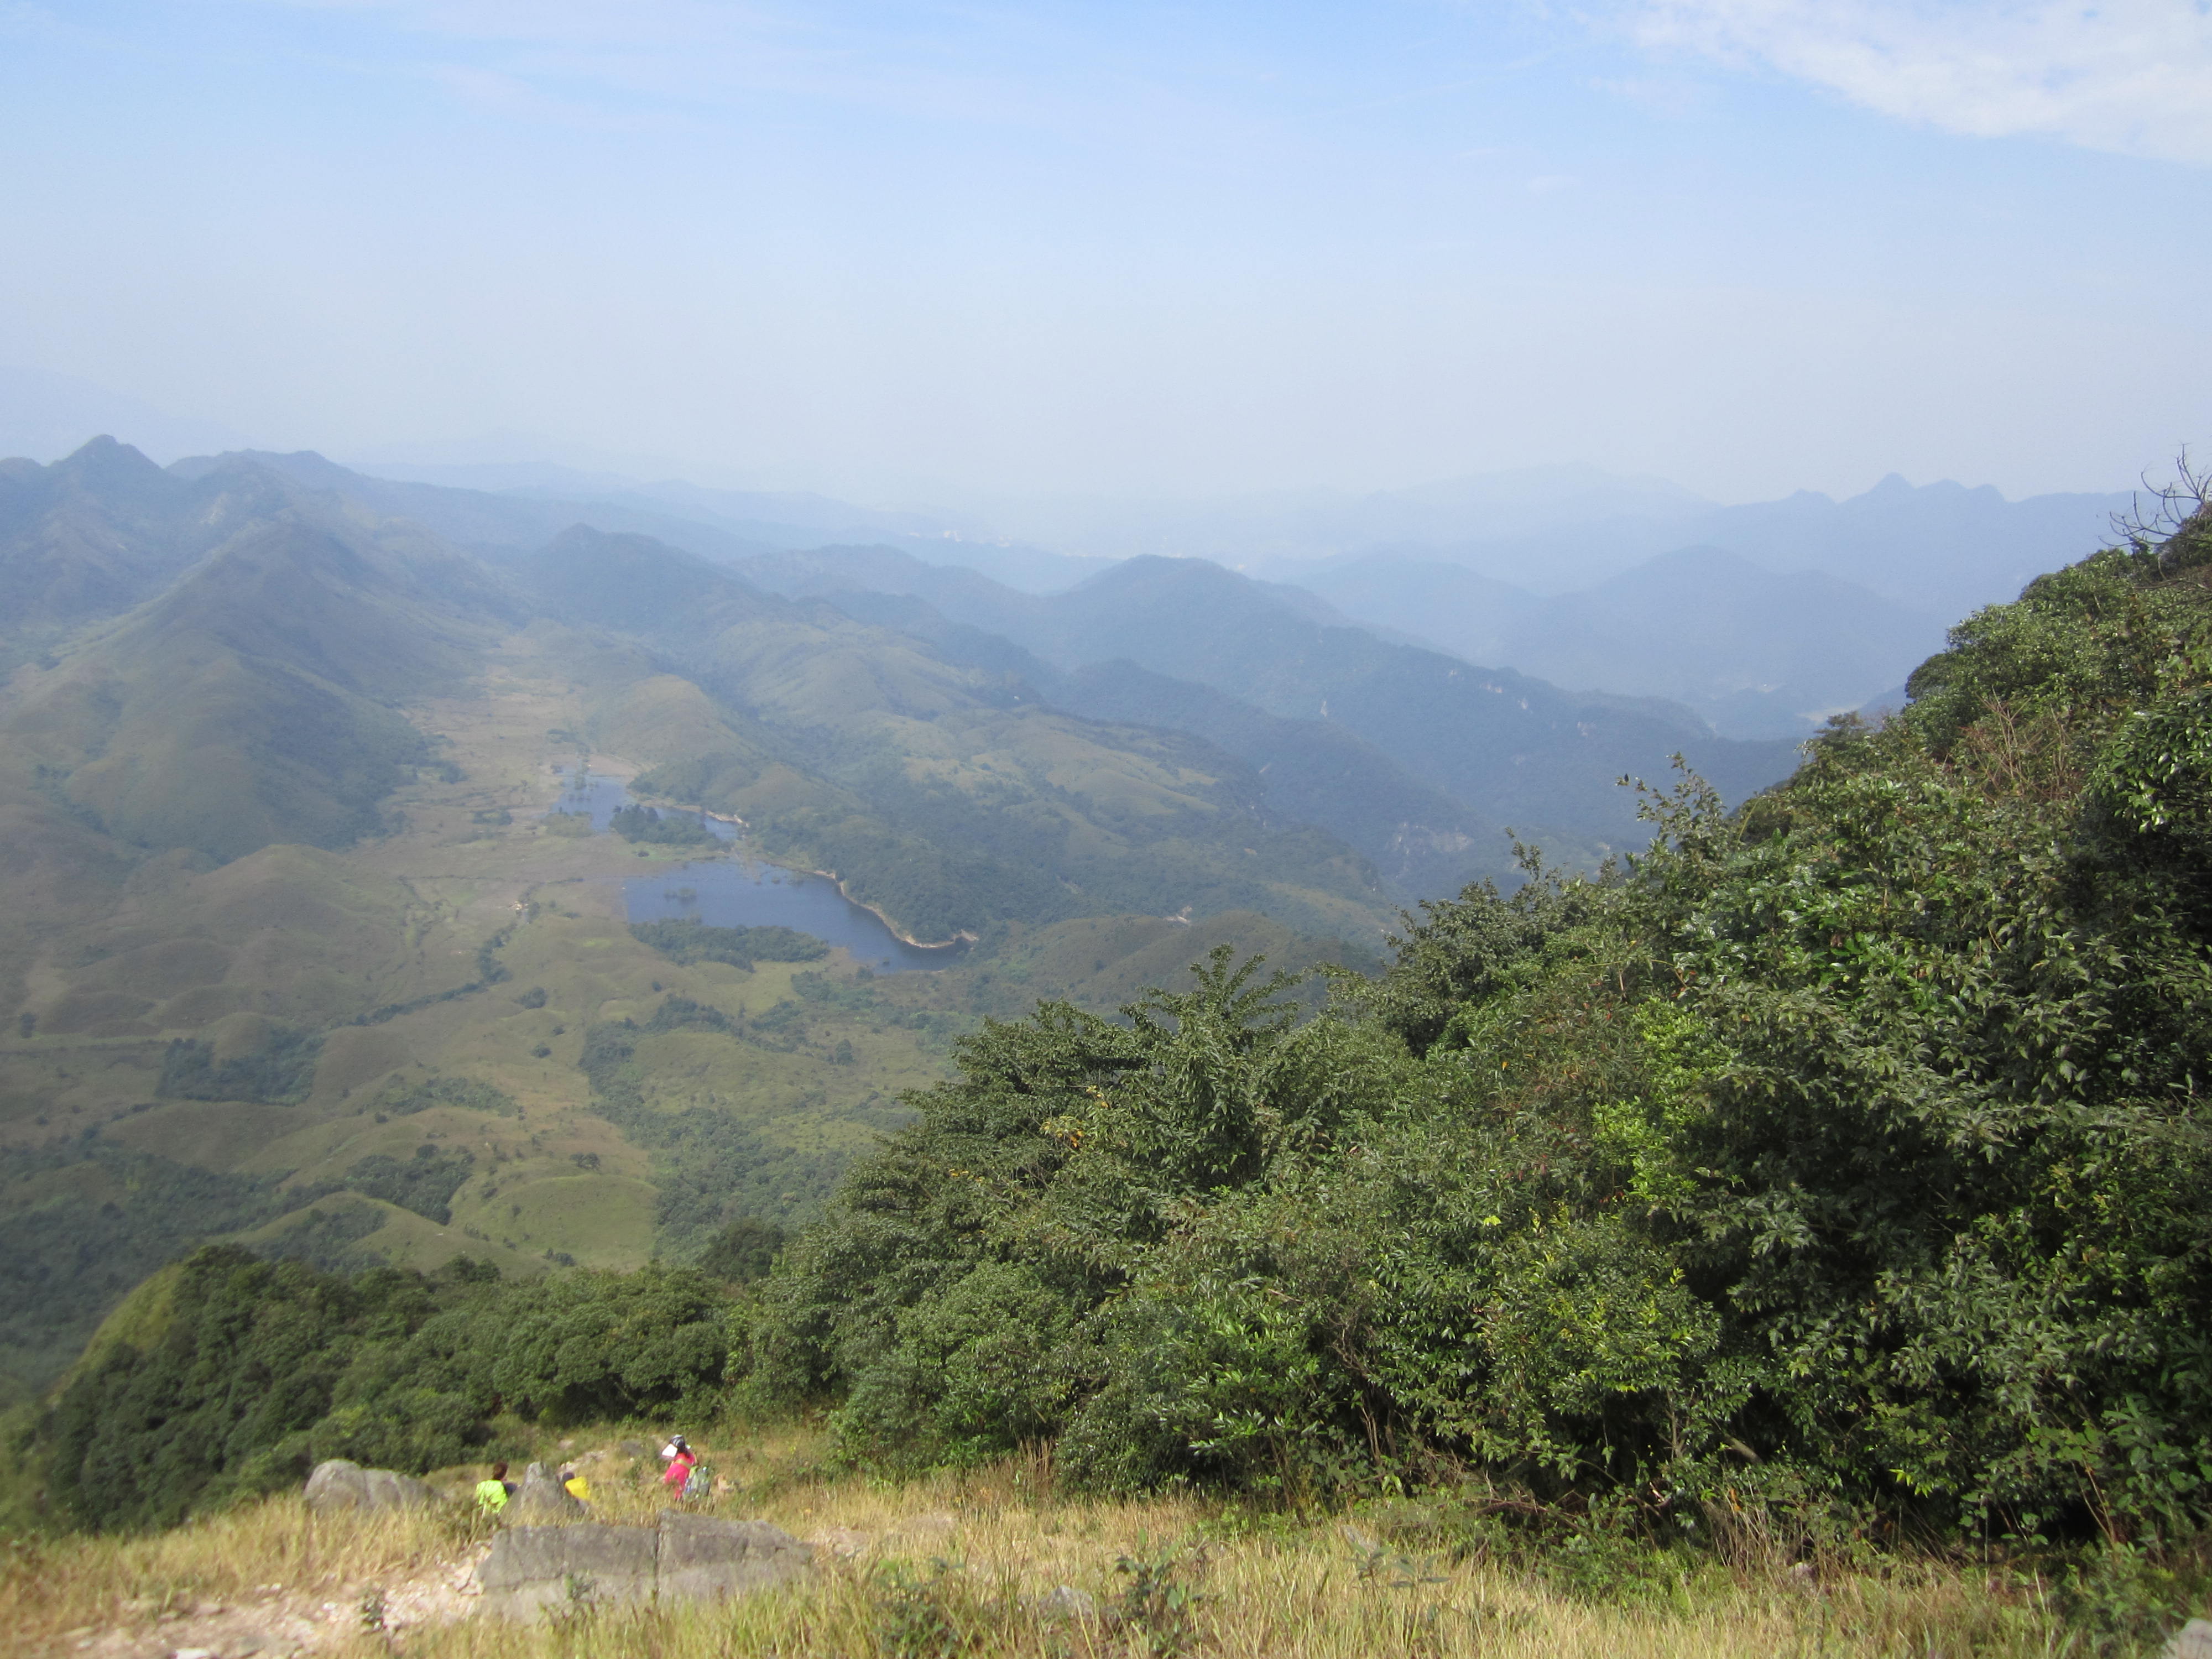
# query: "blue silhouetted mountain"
1756, 653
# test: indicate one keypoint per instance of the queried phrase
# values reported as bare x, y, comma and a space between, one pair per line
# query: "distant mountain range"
1763, 618
1755, 652
1505, 747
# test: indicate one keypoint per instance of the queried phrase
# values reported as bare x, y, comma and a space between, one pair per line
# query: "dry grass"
958, 1566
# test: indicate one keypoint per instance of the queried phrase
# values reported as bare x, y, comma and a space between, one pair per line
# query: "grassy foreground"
962, 1564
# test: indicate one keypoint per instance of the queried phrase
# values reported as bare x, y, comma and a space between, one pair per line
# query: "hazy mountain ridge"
1755, 652
1829, 604
1508, 748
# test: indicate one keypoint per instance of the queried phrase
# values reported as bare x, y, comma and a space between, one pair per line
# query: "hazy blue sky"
1749, 244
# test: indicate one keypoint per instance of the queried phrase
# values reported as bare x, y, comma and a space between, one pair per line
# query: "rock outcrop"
702, 1557
541, 1500
531, 1568
337, 1484
684, 1557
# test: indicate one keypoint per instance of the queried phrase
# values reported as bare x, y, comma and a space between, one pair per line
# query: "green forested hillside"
1839, 1161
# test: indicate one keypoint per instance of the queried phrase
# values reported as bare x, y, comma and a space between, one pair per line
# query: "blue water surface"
736, 893
742, 892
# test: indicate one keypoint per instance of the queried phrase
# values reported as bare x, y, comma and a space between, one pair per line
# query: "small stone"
1065, 1602
195, 1653
2192, 1641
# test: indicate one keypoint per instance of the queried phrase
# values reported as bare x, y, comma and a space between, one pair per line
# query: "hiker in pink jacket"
682, 1460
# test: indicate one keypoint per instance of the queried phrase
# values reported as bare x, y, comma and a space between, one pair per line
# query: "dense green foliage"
262, 1368
424, 1184
281, 1071
89, 1219
745, 1250
645, 823
1848, 1154
688, 942
402, 1100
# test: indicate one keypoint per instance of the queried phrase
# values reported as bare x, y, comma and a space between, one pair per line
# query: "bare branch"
2152, 522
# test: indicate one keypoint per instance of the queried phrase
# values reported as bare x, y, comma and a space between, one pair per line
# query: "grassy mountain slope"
1423, 842
96, 533
433, 1033
247, 704
942, 793
498, 524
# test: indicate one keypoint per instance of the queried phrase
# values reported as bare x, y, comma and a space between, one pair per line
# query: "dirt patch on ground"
275, 1623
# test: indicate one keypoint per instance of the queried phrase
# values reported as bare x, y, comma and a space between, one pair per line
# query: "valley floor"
970, 1564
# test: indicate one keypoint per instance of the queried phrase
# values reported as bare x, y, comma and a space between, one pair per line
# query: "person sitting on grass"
493, 1493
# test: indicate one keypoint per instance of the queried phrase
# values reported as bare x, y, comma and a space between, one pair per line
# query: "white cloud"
2133, 76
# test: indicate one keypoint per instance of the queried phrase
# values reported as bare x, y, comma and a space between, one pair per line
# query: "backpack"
698, 1483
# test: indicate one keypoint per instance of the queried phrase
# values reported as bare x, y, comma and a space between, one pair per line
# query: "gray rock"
702, 1557
531, 1568
540, 1500
1065, 1602
337, 1484
685, 1558
2192, 1641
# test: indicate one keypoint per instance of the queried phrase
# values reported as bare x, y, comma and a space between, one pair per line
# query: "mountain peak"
103, 464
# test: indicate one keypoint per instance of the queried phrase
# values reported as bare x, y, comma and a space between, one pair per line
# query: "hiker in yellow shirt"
492, 1494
